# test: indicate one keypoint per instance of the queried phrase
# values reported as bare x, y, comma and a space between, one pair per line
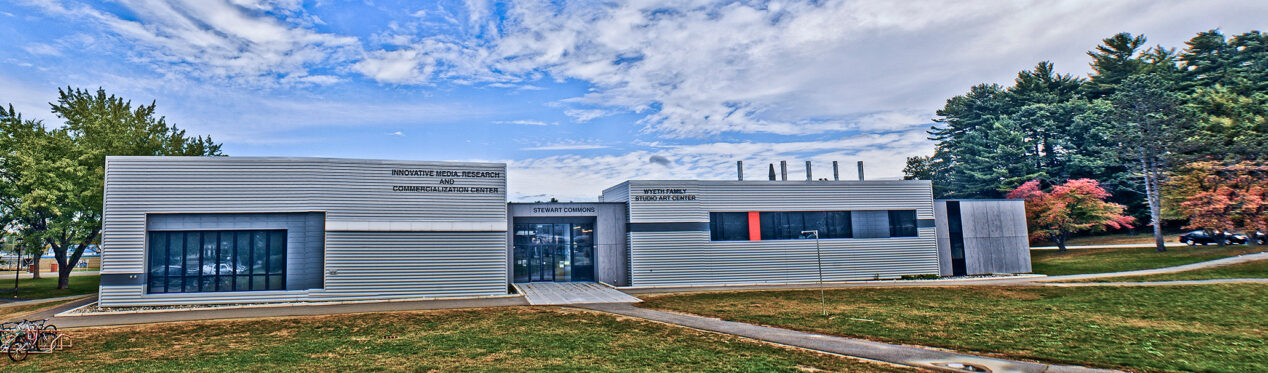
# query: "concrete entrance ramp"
556, 293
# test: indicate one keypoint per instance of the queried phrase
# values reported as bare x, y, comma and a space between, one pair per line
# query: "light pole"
823, 302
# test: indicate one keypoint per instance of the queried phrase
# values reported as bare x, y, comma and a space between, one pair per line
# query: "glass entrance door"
553, 252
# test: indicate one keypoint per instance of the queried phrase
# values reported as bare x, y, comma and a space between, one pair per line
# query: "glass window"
204, 261
902, 223
837, 225
788, 225
728, 226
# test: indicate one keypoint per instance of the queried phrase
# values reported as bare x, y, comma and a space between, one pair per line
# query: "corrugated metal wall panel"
995, 236
617, 193
690, 258
678, 207
428, 264
818, 196
347, 190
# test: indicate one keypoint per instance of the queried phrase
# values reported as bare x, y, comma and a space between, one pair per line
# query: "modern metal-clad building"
187, 230
202, 230
689, 232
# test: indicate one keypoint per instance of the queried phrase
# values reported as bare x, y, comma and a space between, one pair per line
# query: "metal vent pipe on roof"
860, 170
783, 170
739, 169
772, 171
808, 177
836, 174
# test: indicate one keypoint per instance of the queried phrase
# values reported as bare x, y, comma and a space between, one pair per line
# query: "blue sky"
573, 96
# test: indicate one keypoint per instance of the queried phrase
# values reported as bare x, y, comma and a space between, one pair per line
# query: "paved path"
557, 293
917, 356
1110, 246
1036, 280
1165, 283
24, 302
1181, 268
8, 275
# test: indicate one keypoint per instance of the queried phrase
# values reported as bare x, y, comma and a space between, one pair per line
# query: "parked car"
1261, 237
1202, 237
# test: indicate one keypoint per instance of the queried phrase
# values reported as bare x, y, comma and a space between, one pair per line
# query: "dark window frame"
902, 223
728, 226
788, 225
192, 277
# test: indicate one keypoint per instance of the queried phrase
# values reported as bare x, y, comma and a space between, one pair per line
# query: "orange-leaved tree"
1217, 197
1076, 206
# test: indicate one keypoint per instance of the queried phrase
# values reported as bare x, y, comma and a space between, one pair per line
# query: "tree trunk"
35, 273
1148, 166
63, 277
68, 262
1060, 240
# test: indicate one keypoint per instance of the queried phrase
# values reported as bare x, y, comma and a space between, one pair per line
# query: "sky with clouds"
573, 96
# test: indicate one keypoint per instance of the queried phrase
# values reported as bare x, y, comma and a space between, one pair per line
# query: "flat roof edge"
177, 158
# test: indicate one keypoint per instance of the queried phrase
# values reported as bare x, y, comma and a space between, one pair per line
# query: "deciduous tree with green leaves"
54, 177
1147, 118
1076, 206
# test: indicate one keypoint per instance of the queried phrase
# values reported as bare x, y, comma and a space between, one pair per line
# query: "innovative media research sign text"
447, 182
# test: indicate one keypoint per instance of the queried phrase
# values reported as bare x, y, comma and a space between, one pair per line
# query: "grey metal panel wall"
677, 207
616, 193
305, 237
380, 265
995, 236
943, 233
818, 195
349, 191
611, 253
689, 257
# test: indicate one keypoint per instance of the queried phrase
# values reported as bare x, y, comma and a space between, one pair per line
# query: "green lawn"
1080, 261
1215, 328
1255, 269
46, 287
1110, 239
486, 340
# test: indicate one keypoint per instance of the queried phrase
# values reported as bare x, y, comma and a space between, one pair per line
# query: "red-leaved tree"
1076, 206
1215, 197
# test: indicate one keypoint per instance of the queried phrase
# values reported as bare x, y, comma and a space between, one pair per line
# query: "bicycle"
22, 338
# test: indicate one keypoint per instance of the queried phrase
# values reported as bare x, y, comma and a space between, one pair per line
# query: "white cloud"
568, 147
42, 49
701, 68
884, 156
221, 39
586, 115
397, 133
524, 122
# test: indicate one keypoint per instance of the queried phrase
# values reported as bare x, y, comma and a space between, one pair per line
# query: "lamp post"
823, 302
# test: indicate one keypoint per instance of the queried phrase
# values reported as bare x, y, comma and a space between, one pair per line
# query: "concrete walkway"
26, 302
1111, 246
1156, 271
8, 275
1033, 280
558, 293
923, 357
1165, 283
